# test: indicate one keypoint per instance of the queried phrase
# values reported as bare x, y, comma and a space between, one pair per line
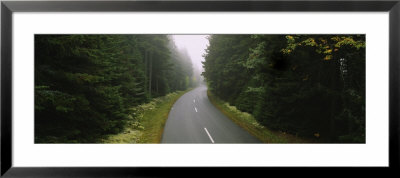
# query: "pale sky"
195, 46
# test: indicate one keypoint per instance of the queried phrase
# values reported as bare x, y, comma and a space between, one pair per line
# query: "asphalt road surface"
194, 119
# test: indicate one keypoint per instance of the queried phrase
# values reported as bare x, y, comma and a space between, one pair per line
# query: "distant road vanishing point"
194, 119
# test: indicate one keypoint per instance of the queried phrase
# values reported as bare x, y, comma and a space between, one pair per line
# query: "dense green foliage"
148, 125
87, 85
307, 85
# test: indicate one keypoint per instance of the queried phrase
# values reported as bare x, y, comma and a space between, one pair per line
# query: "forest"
86, 85
306, 85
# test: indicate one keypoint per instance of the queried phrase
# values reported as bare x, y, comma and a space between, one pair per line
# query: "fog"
195, 46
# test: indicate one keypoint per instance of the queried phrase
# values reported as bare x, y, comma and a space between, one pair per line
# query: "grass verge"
249, 123
147, 121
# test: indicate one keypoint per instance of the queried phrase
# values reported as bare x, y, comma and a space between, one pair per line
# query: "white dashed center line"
195, 109
194, 101
209, 135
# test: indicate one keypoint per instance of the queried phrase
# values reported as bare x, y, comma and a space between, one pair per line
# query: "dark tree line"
85, 85
308, 85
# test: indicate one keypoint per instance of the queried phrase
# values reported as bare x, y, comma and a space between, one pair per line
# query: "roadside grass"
249, 123
146, 122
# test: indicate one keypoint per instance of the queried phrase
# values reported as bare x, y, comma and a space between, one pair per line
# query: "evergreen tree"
310, 85
85, 85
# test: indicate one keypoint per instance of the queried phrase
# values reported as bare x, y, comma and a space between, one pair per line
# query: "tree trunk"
157, 85
146, 70
150, 71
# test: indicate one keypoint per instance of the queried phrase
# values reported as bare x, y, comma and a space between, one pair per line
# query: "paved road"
194, 119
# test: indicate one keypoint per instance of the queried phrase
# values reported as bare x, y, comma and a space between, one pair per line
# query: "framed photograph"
141, 88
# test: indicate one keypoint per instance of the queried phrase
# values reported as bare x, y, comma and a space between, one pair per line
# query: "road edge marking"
209, 135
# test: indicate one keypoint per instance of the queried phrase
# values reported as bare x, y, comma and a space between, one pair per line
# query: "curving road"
194, 119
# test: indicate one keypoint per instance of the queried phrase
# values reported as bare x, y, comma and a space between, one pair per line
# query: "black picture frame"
8, 7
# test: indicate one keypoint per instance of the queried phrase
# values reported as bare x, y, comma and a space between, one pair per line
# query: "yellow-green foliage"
244, 116
249, 123
146, 121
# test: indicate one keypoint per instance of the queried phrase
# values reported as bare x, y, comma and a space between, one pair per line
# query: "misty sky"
195, 46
